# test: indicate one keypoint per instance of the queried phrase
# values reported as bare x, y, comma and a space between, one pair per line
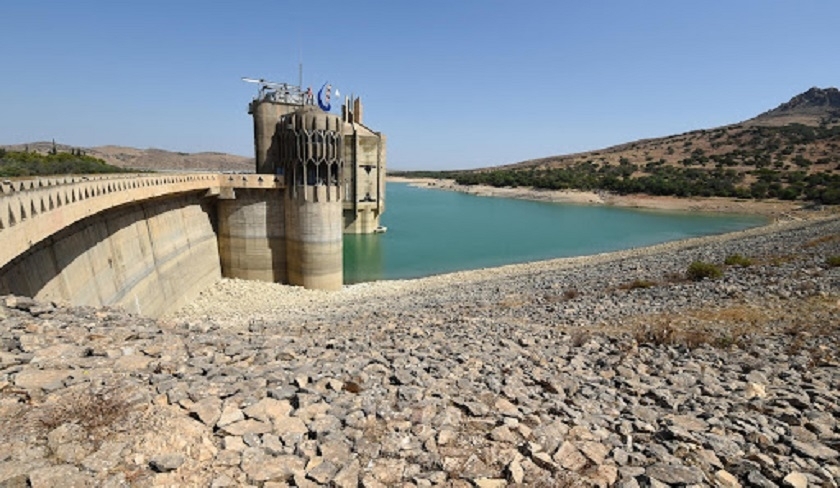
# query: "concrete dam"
152, 242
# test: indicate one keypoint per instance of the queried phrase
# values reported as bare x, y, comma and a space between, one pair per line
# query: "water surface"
434, 231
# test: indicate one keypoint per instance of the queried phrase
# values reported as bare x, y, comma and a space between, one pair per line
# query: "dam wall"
151, 243
33, 209
252, 235
149, 257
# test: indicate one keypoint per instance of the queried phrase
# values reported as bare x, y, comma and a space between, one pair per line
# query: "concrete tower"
364, 177
333, 170
267, 109
310, 150
252, 230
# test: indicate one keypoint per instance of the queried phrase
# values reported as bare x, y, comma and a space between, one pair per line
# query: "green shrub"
16, 163
833, 261
698, 270
737, 260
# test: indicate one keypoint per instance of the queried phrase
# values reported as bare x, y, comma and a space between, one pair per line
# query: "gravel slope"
557, 373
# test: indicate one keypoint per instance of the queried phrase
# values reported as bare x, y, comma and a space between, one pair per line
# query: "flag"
324, 98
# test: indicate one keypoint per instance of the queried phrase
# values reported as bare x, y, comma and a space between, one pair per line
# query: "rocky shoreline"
776, 209
608, 370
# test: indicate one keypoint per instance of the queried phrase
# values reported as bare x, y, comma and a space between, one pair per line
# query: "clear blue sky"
453, 83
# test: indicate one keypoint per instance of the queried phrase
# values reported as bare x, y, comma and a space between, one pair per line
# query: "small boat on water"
380, 230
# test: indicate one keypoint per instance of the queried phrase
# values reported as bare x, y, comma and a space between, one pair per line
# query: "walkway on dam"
33, 209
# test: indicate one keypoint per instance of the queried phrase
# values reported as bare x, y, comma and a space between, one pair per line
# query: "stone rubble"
557, 373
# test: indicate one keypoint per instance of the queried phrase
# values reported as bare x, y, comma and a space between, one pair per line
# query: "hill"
149, 159
790, 152
30, 163
813, 107
816, 108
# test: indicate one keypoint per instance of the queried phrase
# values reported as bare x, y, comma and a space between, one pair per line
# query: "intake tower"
363, 151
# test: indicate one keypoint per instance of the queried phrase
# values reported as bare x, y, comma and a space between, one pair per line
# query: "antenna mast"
300, 63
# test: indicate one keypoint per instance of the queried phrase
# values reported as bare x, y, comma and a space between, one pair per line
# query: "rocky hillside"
791, 152
150, 159
814, 107
767, 140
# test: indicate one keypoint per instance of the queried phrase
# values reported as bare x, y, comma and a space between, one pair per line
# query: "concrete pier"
252, 236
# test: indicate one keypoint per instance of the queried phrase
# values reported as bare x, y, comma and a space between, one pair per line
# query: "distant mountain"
150, 159
815, 106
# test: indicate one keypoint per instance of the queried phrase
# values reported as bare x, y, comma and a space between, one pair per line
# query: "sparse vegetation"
790, 162
571, 293
665, 333
778, 260
737, 260
20, 163
812, 328
699, 270
833, 261
822, 240
92, 410
638, 283
700, 327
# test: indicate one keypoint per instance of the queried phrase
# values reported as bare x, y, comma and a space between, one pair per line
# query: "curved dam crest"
150, 258
150, 243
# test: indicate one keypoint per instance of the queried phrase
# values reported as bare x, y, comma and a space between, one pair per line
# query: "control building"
363, 152
333, 168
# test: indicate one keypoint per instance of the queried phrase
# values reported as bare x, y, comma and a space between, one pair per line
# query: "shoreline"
773, 209
298, 299
295, 296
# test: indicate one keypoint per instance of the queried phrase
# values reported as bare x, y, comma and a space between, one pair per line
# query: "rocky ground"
606, 370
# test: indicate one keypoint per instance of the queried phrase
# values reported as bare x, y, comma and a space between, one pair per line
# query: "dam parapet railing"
33, 209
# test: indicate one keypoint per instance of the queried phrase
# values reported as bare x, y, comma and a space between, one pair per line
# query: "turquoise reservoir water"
434, 231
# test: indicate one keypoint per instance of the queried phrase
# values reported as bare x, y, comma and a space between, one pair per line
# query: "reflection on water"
433, 231
362, 258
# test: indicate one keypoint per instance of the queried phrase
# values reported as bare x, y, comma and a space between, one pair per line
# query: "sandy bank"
777, 209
